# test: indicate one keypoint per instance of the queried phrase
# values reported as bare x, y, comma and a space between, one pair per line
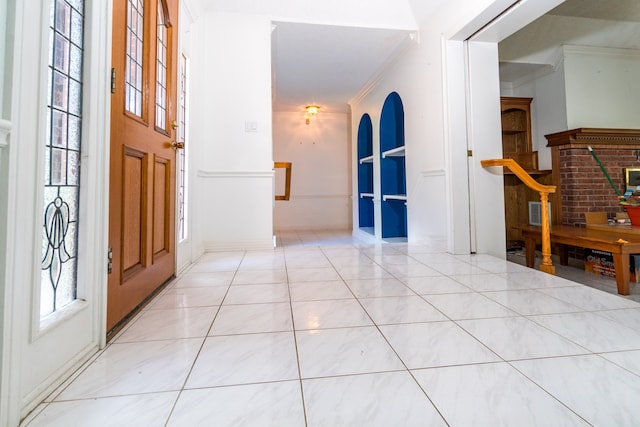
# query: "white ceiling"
328, 65
612, 10
533, 50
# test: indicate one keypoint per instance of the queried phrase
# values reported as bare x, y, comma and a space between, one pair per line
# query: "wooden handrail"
544, 190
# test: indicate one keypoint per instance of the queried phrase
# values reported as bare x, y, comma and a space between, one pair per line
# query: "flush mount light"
312, 110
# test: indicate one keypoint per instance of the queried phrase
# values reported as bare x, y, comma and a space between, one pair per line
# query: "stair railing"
543, 190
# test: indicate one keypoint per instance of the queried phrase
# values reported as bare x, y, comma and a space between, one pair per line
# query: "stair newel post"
546, 265
544, 190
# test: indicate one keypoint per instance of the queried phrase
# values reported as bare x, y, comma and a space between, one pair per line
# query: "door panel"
132, 208
161, 214
142, 183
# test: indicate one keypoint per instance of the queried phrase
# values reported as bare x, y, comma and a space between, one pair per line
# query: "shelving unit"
368, 159
516, 144
386, 197
393, 168
365, 175
394, 152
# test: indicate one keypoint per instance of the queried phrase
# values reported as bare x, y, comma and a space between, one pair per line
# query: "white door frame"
32, 364
470, 61
184, 249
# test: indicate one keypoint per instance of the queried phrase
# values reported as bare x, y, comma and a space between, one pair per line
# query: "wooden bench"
621, 245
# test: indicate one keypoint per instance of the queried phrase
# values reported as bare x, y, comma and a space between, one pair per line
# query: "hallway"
330, 331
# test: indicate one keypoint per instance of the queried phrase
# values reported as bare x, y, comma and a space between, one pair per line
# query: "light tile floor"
330, 331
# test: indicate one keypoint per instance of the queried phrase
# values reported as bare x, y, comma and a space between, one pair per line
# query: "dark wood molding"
595, 137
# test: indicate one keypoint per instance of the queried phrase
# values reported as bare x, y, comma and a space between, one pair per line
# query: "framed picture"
632, 178
287, 179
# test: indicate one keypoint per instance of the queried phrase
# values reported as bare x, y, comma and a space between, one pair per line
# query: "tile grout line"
295, 340
204, 340
392, 348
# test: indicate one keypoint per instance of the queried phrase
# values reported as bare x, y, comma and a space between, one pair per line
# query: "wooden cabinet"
516, 144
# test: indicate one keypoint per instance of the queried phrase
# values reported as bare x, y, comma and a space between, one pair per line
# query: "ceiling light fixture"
311, 110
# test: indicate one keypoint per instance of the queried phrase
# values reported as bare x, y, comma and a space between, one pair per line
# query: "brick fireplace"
581, 184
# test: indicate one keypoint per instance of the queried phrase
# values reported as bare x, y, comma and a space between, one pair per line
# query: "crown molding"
412, 39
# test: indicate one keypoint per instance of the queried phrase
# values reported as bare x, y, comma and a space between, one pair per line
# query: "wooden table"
622, 229
621, 245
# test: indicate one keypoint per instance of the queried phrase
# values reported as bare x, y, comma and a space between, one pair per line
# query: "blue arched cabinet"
365, 174
393, 173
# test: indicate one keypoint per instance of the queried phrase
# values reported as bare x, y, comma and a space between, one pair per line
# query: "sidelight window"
62, 156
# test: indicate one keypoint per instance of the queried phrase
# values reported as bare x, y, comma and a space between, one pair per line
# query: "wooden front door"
142, 183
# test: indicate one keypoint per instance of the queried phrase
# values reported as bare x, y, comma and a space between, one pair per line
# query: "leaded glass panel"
161, 71
133, 66
182, 158
62, 156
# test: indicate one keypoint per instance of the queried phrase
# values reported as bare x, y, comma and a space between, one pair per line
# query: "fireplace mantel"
581, 184
595, 137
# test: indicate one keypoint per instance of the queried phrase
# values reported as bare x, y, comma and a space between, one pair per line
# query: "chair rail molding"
236, 174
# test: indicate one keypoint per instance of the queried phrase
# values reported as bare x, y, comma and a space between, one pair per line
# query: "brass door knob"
177, 145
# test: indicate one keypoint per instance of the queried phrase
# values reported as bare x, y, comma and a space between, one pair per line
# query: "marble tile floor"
327, 330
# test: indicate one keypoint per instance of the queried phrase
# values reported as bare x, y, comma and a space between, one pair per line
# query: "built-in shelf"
386, 197
368, 159
394, 152
366, 195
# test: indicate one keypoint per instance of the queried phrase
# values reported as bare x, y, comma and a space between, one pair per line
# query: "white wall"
231, 168
548, 109
374, 13
3, 35
419, 87
435, 142
321, 170
602, 88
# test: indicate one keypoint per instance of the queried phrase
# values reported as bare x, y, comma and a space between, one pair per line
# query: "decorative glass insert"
133, 65
182, 158
62, 156
161, 71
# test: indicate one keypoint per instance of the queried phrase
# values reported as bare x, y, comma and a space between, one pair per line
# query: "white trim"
432, 173
319, 196
96, 154
600, 51
365, 236
5, 131
412, 38
557, 60
235, 174
40, 393
248, 245
39, 121
15, 321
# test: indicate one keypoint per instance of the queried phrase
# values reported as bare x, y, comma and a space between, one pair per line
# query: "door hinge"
109, 261
113, 80
469, 153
